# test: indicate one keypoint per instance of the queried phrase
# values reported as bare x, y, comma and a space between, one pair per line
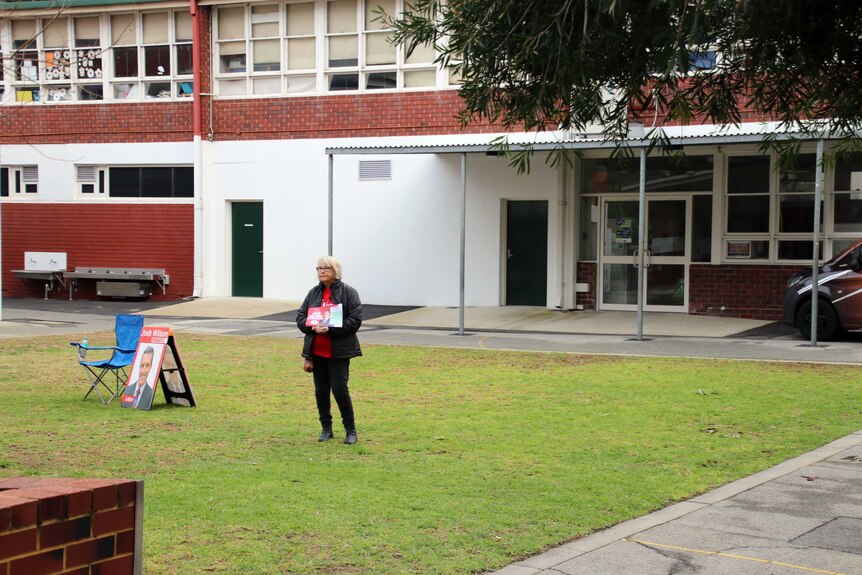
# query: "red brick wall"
747, 291
114, 235
329, 116
753, 291
67, 526
96, 123
205, 30
586, 273
651, 115
348, 116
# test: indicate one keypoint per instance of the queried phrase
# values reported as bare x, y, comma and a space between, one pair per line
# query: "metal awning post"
815, 265
331, 202
463, 243
641, 245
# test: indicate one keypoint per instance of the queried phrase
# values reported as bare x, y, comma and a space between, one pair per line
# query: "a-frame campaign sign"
157, 353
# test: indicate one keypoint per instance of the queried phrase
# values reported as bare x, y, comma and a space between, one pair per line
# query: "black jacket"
345, 344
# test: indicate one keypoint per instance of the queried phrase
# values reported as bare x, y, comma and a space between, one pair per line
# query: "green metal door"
527, 253
247, 249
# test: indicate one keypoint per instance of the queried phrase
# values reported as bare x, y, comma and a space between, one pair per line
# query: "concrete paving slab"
707, 538
839, 534
645, 557
522, 318
234, 308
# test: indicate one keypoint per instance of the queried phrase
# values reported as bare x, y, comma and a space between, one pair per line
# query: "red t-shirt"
322, 344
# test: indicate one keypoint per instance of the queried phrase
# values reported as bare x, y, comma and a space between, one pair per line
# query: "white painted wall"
57, 164
398, 240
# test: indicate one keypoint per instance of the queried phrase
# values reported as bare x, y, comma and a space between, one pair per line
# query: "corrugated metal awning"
585, 143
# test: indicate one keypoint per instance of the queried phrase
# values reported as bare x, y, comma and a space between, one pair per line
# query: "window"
273, 49
301, 57
702, 60
796, 196
88, 58
2, 73
748, 198
91, 181
770, 216
747, 208
796, 209
19, 181
151, 182
25, 61
847, 200
101, 57
701, 228
663, 174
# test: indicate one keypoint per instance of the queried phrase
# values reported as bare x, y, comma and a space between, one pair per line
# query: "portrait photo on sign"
142, 380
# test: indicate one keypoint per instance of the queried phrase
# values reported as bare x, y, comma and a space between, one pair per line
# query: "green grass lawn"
467, 459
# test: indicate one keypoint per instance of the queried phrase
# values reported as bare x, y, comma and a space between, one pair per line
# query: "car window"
852, 259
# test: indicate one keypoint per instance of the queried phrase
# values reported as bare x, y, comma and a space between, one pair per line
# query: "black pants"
330, 375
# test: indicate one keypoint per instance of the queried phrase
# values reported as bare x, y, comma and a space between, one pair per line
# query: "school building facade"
232, 143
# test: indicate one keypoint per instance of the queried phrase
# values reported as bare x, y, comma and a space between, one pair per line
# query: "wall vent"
375, 170
30, 173
86, 173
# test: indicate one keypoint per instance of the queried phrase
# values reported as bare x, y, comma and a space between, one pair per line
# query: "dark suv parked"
839, 291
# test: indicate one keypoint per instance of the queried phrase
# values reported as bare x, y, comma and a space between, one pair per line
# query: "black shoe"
326, 434
350, 438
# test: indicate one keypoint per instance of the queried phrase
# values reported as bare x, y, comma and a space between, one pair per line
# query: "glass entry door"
665, 260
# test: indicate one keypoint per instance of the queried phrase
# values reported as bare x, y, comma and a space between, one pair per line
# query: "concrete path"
501, 328
801, 517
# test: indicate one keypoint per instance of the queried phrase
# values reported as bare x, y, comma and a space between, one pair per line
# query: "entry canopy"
674, 136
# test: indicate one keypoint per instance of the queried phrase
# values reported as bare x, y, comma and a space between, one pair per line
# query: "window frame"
142, 195
21, 182
318, 81
830, 239
102, 85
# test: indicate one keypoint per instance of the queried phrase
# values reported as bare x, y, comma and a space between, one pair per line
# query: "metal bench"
119, 282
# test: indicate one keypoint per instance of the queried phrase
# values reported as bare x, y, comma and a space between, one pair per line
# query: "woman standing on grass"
329, 348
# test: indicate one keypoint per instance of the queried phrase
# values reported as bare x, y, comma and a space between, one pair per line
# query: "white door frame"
684, 260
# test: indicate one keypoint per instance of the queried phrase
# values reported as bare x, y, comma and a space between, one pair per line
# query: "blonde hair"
331, 262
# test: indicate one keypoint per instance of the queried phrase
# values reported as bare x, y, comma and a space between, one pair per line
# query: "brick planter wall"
69, 526
586, 273
747, 291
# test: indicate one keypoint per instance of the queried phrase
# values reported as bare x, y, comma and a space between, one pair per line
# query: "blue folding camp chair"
99, 372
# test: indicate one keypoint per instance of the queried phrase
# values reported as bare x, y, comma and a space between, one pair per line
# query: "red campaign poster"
145, 368
157, 357
328, 315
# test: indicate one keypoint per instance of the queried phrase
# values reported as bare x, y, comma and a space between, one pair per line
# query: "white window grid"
23, 182
831, 240
91, 181
243, 81
87, 82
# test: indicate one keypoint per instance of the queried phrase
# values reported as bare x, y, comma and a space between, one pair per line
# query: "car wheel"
827, 321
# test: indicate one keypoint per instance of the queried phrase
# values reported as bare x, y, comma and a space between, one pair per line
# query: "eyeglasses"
324, 269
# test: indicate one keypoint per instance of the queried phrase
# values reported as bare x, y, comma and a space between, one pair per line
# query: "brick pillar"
70, 526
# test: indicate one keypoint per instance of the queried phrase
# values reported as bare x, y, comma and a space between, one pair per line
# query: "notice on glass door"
623, 231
